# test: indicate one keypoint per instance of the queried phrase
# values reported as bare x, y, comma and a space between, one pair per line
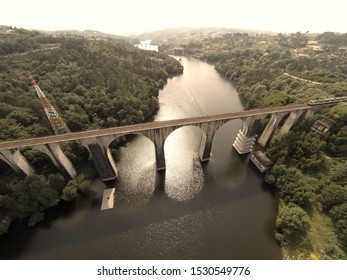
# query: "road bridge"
97, 141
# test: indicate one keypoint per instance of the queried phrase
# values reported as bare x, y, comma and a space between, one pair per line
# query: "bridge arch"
236, 123
39, 160
136, 169
183, 134
118, 138
290, 119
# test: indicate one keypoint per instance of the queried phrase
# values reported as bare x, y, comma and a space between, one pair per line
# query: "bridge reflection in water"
97, 141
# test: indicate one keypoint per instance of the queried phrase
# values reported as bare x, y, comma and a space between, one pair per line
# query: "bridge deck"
145, 126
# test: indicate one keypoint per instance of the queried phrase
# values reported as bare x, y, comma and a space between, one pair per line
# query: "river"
217, 210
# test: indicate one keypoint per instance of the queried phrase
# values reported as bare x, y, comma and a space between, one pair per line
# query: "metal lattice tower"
57, 123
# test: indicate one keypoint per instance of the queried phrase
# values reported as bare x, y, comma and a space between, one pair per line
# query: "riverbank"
311, 190
263, 81
321, 242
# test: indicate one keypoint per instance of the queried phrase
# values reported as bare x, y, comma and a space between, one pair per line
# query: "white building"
147, 45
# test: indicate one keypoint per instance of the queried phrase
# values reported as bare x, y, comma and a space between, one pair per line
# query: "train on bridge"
327, 101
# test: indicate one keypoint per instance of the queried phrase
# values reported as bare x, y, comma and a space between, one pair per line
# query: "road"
31, 51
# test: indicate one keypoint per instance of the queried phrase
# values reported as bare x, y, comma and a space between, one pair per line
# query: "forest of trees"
331, 38
310, 174
263, 81
92, 84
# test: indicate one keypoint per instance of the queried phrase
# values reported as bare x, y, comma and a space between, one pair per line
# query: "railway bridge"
98, 141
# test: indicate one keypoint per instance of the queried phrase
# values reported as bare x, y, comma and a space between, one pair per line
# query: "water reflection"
226, 165
184, 175
137, 172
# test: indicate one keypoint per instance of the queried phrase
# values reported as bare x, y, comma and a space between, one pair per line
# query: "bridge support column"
158, 137
270, 128
101, 155
292, 119
309, 113
59, 159
247, 135
209, 129
160, 157
15, 159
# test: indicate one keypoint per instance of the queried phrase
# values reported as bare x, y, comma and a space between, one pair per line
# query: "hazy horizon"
136, 16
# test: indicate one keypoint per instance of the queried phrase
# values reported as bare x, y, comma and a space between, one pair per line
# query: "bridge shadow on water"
88, 224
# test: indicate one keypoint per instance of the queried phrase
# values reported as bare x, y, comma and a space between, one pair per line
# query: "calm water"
218, 210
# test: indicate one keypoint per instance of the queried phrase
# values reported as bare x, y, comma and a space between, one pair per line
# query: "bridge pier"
59, 159
292, 119
160, 157
246, 137
209, 130
158, 137
101, 155
16, 160
205, 148
270, 128
309, 113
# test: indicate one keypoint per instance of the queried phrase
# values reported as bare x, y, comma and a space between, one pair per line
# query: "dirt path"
301, 79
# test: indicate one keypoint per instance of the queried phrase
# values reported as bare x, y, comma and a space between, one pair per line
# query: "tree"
299, 193
292, 224
30, 198
339, 216
74, 187
10, 130
23, 116
5, 109
70, 191
56, 182
294, 40
338, 146
333, 194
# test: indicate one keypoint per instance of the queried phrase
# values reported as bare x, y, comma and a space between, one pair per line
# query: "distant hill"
84, 33
185, 32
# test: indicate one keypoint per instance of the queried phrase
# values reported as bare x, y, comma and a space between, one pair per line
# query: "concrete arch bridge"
98, 141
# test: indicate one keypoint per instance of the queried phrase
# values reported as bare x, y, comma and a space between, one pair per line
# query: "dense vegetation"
309, 168
92, 83
310, 173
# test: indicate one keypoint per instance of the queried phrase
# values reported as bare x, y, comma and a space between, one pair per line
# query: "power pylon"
57, 123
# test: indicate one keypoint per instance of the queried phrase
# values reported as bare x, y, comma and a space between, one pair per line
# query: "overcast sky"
137, 16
